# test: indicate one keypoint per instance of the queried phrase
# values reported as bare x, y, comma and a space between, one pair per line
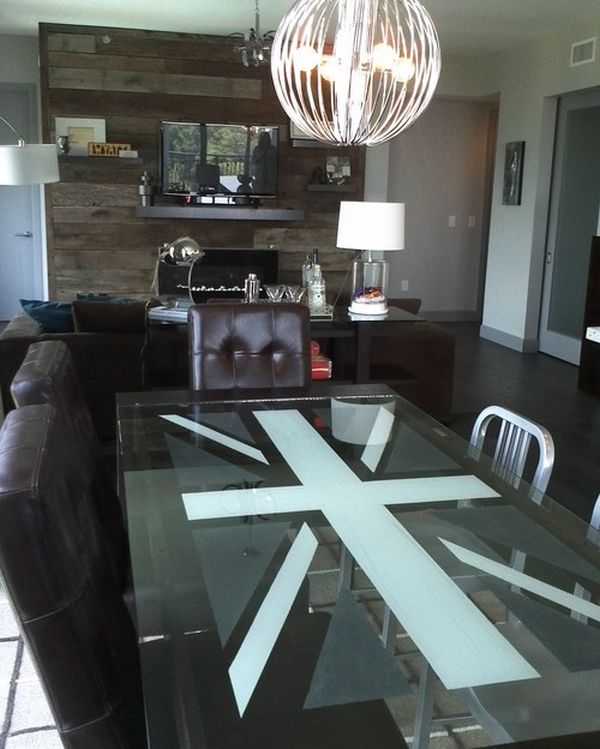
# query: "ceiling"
464, 26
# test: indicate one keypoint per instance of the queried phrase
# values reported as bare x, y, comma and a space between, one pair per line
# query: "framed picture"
300, 139
80, 131
513, 172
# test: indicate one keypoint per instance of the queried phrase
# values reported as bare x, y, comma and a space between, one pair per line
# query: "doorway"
573, 220
21, 245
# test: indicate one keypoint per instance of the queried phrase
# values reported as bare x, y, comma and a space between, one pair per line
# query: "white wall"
529, 78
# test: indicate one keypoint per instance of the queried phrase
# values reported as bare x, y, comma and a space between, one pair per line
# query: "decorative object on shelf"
256, 48
316, 290
355, 72
275, 291
146, 190
63, 143
513, 173
81, 131
318, 176
370, 226
27, 163
308, 265
295, 293
183, 252
107, 149
251, 288
338, 169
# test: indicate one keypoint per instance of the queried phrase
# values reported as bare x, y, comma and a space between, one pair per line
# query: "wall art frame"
513, 172
81, 131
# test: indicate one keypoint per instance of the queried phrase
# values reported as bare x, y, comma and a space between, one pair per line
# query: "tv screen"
219, 160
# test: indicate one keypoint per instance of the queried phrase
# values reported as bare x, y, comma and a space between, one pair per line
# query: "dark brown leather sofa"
106, 349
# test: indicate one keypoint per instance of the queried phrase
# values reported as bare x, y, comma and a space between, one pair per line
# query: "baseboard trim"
451, 315
523, 345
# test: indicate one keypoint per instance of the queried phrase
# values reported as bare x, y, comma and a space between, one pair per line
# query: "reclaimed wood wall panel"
134, 79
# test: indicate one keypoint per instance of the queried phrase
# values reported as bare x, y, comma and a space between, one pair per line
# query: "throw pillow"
102, 317
53, 317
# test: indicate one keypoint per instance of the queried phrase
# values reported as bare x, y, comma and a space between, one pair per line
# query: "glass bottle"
316, 291
307, 271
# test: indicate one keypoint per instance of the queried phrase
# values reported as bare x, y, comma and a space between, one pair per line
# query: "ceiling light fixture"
256, 48
27, 163
355, 72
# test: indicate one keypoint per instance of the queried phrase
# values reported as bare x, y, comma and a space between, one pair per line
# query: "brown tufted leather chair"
48, 375
68, 605
249, 346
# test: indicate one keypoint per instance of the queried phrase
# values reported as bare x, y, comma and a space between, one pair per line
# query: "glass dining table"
340, 570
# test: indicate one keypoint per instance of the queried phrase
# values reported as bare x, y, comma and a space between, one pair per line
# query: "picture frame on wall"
513, 172
80, 131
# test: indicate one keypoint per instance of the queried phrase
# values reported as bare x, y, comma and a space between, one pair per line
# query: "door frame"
571, 347
39, 238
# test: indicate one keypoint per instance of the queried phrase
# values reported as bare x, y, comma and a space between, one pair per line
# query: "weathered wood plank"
178, 46
105, 260
62, 59
112, 215
125, 281
72, 42
81, 194
79, 102
154, 83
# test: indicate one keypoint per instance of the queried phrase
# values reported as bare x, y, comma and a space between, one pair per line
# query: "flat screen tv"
219, 162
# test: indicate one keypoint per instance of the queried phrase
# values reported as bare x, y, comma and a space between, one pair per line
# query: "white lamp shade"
28, 164
370, 226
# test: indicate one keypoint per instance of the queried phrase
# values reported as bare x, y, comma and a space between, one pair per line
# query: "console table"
342, 329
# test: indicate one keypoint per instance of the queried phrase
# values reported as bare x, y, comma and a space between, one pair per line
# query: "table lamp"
370, 226
27, 163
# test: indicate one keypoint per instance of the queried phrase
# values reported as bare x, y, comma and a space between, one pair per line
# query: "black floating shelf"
348, 187
224, 212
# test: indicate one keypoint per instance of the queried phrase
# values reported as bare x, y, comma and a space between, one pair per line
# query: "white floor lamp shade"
27, 163
355, 72
370, 226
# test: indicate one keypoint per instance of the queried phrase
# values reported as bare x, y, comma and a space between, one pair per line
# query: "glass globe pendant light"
355, 72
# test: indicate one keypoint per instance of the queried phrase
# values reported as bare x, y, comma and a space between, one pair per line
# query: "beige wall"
437, 168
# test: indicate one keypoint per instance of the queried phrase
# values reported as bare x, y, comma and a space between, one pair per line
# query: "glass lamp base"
369, 287
368, 308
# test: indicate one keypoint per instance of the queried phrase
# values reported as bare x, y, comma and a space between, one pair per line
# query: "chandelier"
256, 48
355, 72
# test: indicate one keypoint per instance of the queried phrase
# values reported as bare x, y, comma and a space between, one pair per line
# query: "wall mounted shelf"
224, 212
347, 187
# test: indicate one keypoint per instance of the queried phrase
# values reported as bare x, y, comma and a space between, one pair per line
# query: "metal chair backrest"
512, 445
595, 520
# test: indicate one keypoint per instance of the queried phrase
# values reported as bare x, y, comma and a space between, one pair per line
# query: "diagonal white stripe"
273, 500
526, 582
460, 643
378, 439
462, 646
212, 434
251, 658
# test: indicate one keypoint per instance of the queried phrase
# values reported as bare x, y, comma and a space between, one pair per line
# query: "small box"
320, 367
592, 333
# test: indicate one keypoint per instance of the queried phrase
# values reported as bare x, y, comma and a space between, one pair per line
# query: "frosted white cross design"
462, 646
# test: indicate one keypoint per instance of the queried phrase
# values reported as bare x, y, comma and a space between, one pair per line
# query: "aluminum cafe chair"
516, 435
513, 444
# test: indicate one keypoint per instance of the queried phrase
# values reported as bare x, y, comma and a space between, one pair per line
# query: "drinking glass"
295, 293
274, 291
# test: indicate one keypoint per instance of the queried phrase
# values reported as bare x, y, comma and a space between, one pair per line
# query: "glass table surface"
311, 571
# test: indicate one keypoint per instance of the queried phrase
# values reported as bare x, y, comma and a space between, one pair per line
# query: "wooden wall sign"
107, 149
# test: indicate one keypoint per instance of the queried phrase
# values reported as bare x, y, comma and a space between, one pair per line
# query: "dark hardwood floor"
542, 388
